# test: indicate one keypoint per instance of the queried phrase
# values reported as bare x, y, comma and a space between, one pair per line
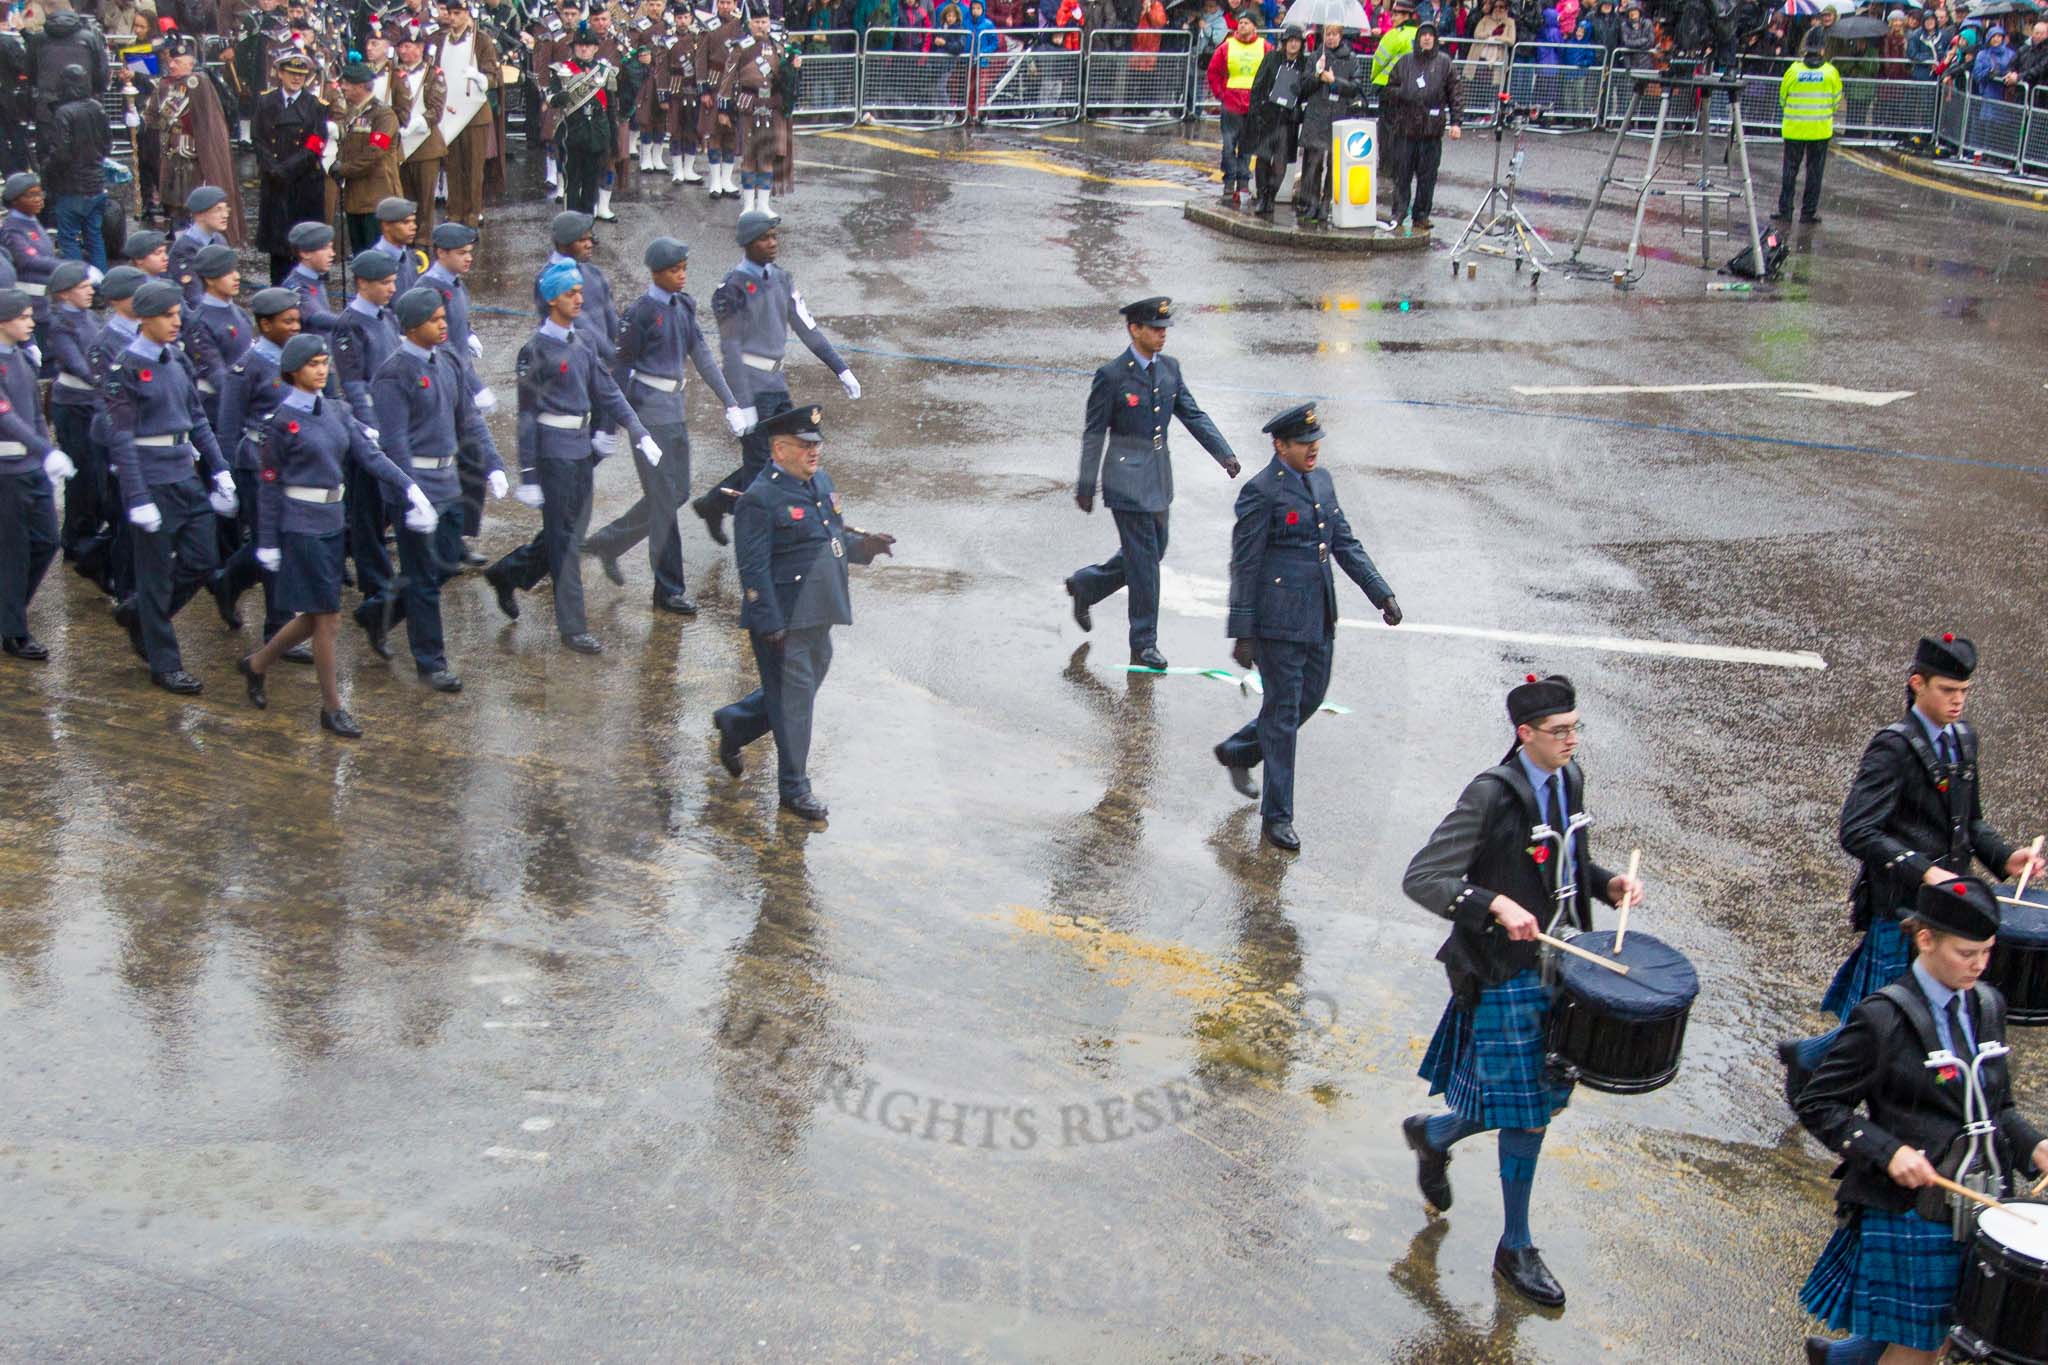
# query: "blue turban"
558, 279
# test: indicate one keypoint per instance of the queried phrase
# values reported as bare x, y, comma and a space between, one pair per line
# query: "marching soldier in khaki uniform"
419, 96
468, 62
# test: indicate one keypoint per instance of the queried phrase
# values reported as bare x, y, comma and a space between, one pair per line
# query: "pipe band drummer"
1488, 872
1889, 1274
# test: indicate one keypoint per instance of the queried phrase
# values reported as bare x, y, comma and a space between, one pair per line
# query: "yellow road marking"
1931, 183
1016, 160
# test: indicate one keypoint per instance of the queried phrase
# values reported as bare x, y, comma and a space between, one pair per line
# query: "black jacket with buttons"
1908, 811
1129, 409
1289, 531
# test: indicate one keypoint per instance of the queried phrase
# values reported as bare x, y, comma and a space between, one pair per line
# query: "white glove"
605, 442
736, 418
34, 354
371, 432
751, 417
58, 466
486, 401
476, 347
94, 273
849, 383
131, 119
270, 561
223, 495
420, 515
499, 485
147, 517
530, 494
651, 449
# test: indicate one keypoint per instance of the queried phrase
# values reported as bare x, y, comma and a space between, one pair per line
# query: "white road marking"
539, 1123
500, 978
514, 1154
1188, 595
516, 1023
1822, 393
568, 1097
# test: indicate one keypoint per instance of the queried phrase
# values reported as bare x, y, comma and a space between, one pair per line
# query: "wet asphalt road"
520, 1031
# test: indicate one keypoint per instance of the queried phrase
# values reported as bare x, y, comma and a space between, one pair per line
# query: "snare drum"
2019, 962
2002, 1299
1622, 1034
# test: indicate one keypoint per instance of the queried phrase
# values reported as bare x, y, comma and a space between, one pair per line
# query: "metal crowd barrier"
1483, 75
828, 82
1034, 80
1542, 74
1995, 129
1138, 89
903, 84
2034, 147
1884, 109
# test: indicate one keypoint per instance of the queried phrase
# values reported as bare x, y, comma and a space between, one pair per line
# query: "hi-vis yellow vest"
1242, 63
1808, 95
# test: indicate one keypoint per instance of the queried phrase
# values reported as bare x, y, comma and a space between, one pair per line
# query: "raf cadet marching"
562, 385
218, 333
659, 334
313, 245
756, 307
74, 391
1283, 607
252, 390
157, 425
29, 464
31, 251
365, 335
210, 212
1130, 402
425, 412
454, 253
575, 241
108, 556
793, 549
397, 226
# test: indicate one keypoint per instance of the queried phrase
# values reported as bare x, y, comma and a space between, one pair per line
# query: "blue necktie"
1948, 749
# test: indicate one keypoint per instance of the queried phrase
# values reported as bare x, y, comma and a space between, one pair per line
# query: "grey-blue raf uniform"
455, 298
561, 385
253, 389
186, 246
108, 555
314, 313
1283, 598
218, 332
793, 549
757, 307
33, 253
364, 337
74, 396
28, 509
657, 337
1123, 442
598, 323
425, 413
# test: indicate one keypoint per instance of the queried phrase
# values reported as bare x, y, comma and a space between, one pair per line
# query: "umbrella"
1315, 14
1998, 9
1858, 26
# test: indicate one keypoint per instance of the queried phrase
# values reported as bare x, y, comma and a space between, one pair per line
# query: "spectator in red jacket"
1231, 73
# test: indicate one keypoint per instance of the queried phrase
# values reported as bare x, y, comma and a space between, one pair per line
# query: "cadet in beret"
108, 558
159, 429
659, 333
313, 245
1283, 607
365, 335
210, 212
562, 387
299, 519
1913, 817
1892, 1269
252, 391
149, 252
425, 413
30, 463
74, 394
397, 230
1478, 871
572, 234
793, 549
32, 251
757, 306
218, 332
1130, 403
454, 254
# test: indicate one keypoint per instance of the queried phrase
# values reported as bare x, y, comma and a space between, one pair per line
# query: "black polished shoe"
714, 518
1081, 616
178, 681
1240, 776
340, 724
807, 805
441, 680
681, 603
583, 642
224, 599
252, 681
300, 653
728, 748
612, 570
1422, 225
375, 633
1809, 218
1796, 1076
471, 559
508, 601
1280, 834
129, 619
1432, 1168
1148, 657
26, 647
1523, 1270
1817, 1350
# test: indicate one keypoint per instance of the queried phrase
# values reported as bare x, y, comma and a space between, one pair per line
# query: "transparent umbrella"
1311, 15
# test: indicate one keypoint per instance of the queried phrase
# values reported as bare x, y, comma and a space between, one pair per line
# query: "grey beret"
754, 223
300, 349
453, 236
214, 261
416, 305
140, 244
395, 210
204, 198
570, 226
157, 298
665, 253
374, 265
268, 303
310, 236
67, 275
121, 282
18, 184
13, 303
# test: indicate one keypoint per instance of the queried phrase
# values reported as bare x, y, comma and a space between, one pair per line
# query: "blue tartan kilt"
1880, 959
1891, 1277
1487, 1062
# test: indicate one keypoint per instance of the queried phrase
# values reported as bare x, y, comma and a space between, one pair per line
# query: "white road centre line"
571, 1098
1820, 393
515, 1154
500, 978
516, 1023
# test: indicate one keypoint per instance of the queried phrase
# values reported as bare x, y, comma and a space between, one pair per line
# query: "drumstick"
1635, 860
2020, 891
1577, 951
2039, 1185
1986, 1200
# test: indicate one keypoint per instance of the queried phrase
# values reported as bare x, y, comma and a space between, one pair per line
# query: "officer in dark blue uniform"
157, 424
659, 334
1283, 607
793, 549
252, 389
30, 463
562, 387
208, 206
364, 337
313, 244
1130, 403
300, 523
454, 254
74, 394
424, 412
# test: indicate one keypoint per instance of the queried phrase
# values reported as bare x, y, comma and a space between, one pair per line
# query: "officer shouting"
1129, 404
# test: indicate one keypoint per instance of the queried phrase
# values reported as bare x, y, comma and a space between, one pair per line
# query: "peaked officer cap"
1152, 312
1296, 424
801, 421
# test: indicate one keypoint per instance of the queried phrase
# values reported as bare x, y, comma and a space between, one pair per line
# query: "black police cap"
1296, 424
1152, 312
801, 421
1964, 907
1945, 656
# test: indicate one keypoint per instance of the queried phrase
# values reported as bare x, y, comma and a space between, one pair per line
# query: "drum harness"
1979, 1169
1562, 894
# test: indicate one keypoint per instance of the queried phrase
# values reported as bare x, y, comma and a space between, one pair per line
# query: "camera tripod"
1498, 226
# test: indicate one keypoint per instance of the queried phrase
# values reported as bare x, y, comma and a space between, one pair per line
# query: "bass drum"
1622, 1034
2002, 1299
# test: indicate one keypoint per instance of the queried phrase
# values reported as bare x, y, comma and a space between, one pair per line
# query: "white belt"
12, 448
427, 462
657, 383
167, 441
762, 362
33, 290
206, 386
299, 492
72, 381
562, 421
